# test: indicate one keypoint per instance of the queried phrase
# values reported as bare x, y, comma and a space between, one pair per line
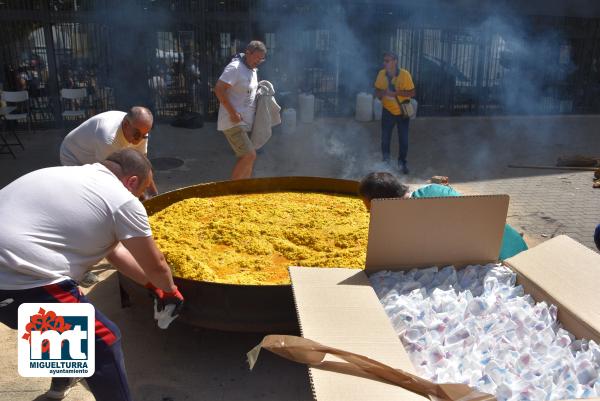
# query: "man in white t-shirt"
58, 222
105, 133
236, 91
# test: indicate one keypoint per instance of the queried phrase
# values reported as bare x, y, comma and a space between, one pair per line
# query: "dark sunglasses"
137, 135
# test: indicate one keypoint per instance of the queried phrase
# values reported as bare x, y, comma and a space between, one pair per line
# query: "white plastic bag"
409, 108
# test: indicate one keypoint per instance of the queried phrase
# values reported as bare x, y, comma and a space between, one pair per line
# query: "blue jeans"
109, 381
388, 121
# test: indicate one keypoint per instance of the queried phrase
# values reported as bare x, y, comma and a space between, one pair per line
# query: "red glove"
153, 291
165, 298
172, 298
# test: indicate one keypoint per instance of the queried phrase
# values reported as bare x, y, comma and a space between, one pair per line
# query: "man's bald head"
136, 124
139, 114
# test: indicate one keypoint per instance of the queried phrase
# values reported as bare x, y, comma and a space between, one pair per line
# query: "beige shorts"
239, 140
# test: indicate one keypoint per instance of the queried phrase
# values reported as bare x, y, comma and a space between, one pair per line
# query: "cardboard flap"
407, 233
338, 307
566, 274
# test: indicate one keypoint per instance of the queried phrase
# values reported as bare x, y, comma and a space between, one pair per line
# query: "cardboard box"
339, 308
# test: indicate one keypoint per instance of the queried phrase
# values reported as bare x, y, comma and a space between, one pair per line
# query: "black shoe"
404, 168
61, 387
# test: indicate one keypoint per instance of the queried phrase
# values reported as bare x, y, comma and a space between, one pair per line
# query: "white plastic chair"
16, 98
13, 100
73, 95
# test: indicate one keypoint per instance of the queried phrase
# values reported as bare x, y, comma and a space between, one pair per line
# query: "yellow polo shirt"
402, 81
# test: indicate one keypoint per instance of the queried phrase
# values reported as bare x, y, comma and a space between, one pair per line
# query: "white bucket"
288, 121
307, 107
364, 107
377, 109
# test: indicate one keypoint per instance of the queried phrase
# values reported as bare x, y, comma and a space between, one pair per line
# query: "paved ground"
186, 363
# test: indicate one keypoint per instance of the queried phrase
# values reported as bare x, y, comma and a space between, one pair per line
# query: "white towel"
267, 114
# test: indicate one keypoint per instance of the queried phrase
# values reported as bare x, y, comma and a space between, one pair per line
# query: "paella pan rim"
233, 285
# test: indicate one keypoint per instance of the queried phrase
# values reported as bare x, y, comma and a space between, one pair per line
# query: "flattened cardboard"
338, 307
565, 273
408, 233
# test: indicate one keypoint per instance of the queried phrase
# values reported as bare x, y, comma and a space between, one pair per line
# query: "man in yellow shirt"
394, 86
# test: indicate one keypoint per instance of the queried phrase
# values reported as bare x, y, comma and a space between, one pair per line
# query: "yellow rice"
253, 238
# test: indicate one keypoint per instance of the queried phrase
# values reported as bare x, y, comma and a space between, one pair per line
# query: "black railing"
168, 54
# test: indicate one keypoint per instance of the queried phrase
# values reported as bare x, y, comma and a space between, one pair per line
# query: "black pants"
388, 122
109, 381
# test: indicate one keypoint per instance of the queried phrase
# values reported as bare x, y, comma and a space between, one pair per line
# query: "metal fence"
181, 47
24, 60
83, 60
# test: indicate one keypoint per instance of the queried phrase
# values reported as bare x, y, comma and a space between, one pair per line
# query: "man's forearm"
230, 109
152, 187
224, 100
149, 259
159, 274
405, 93
124, 262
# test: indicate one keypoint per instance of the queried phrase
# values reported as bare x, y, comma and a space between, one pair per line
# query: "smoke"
490, 55
532, 66
319, 50
132, 42
465, 57
337, 147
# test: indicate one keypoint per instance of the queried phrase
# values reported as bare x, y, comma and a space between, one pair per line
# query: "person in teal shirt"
386, 185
